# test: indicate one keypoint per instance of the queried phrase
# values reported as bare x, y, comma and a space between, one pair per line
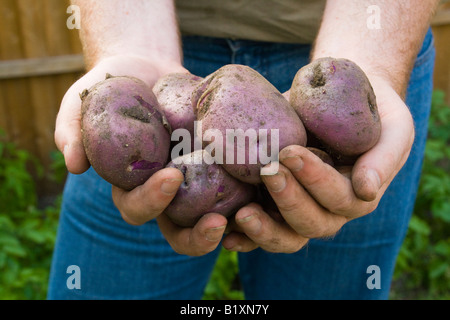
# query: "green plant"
423, 265
224, 282
27, 233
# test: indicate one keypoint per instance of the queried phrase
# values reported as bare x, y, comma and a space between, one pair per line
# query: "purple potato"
236, 97
336, 103
206, 188
173, 92
125, 134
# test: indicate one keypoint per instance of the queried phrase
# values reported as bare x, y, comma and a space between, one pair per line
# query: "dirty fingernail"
251, 223
170, 186
214, 234
275, 183
236, 248
293, 163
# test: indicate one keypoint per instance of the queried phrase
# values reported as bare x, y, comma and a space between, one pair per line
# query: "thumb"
68, 132
375, 170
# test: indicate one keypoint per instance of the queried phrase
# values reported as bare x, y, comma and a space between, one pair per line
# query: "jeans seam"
425, 55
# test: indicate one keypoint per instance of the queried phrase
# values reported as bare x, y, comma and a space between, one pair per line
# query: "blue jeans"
120, 261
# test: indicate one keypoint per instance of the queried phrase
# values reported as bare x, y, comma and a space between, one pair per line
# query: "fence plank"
32, 31
4, 113
54, 65
442, 69
16, 94
40, 58
60, 44
441, 30
10, 44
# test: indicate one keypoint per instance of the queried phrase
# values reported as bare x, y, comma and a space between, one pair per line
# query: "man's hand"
149, 200
68, 122
140, 39
315, 199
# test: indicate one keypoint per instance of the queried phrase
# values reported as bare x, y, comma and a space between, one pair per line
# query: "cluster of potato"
127, 128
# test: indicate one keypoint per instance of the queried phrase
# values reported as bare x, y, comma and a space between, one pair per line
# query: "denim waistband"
236, 44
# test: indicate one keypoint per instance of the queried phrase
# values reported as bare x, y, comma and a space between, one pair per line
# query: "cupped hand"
315, 199
68, 121
149, 200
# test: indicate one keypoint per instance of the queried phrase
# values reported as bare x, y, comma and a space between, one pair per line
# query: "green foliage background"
27, 232
423, 265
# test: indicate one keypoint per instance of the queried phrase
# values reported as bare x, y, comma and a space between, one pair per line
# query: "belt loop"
234, 47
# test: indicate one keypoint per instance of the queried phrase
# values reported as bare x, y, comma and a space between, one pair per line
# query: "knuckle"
266, 241
180, 246
200, 252
293, 248
198, 246
371, 207
327, 230
297, 246
368, 208
273, 248
313, 233
315, 230
130, 218
288, 206
176, 248
309, 227
277, 246
195, 250
343, 206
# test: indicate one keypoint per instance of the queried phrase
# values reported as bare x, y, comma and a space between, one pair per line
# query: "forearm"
145, 29
388, 52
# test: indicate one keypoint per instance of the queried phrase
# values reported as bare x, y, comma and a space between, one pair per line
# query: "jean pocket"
427, 51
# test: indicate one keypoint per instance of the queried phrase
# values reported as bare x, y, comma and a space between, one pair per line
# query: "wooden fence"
40, 57
441, 29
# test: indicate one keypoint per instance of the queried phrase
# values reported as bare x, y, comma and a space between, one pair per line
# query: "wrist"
148, 69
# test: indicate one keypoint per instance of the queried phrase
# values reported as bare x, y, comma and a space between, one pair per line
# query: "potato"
234, 98
125, 134
173, 92
206, 188
336, 103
